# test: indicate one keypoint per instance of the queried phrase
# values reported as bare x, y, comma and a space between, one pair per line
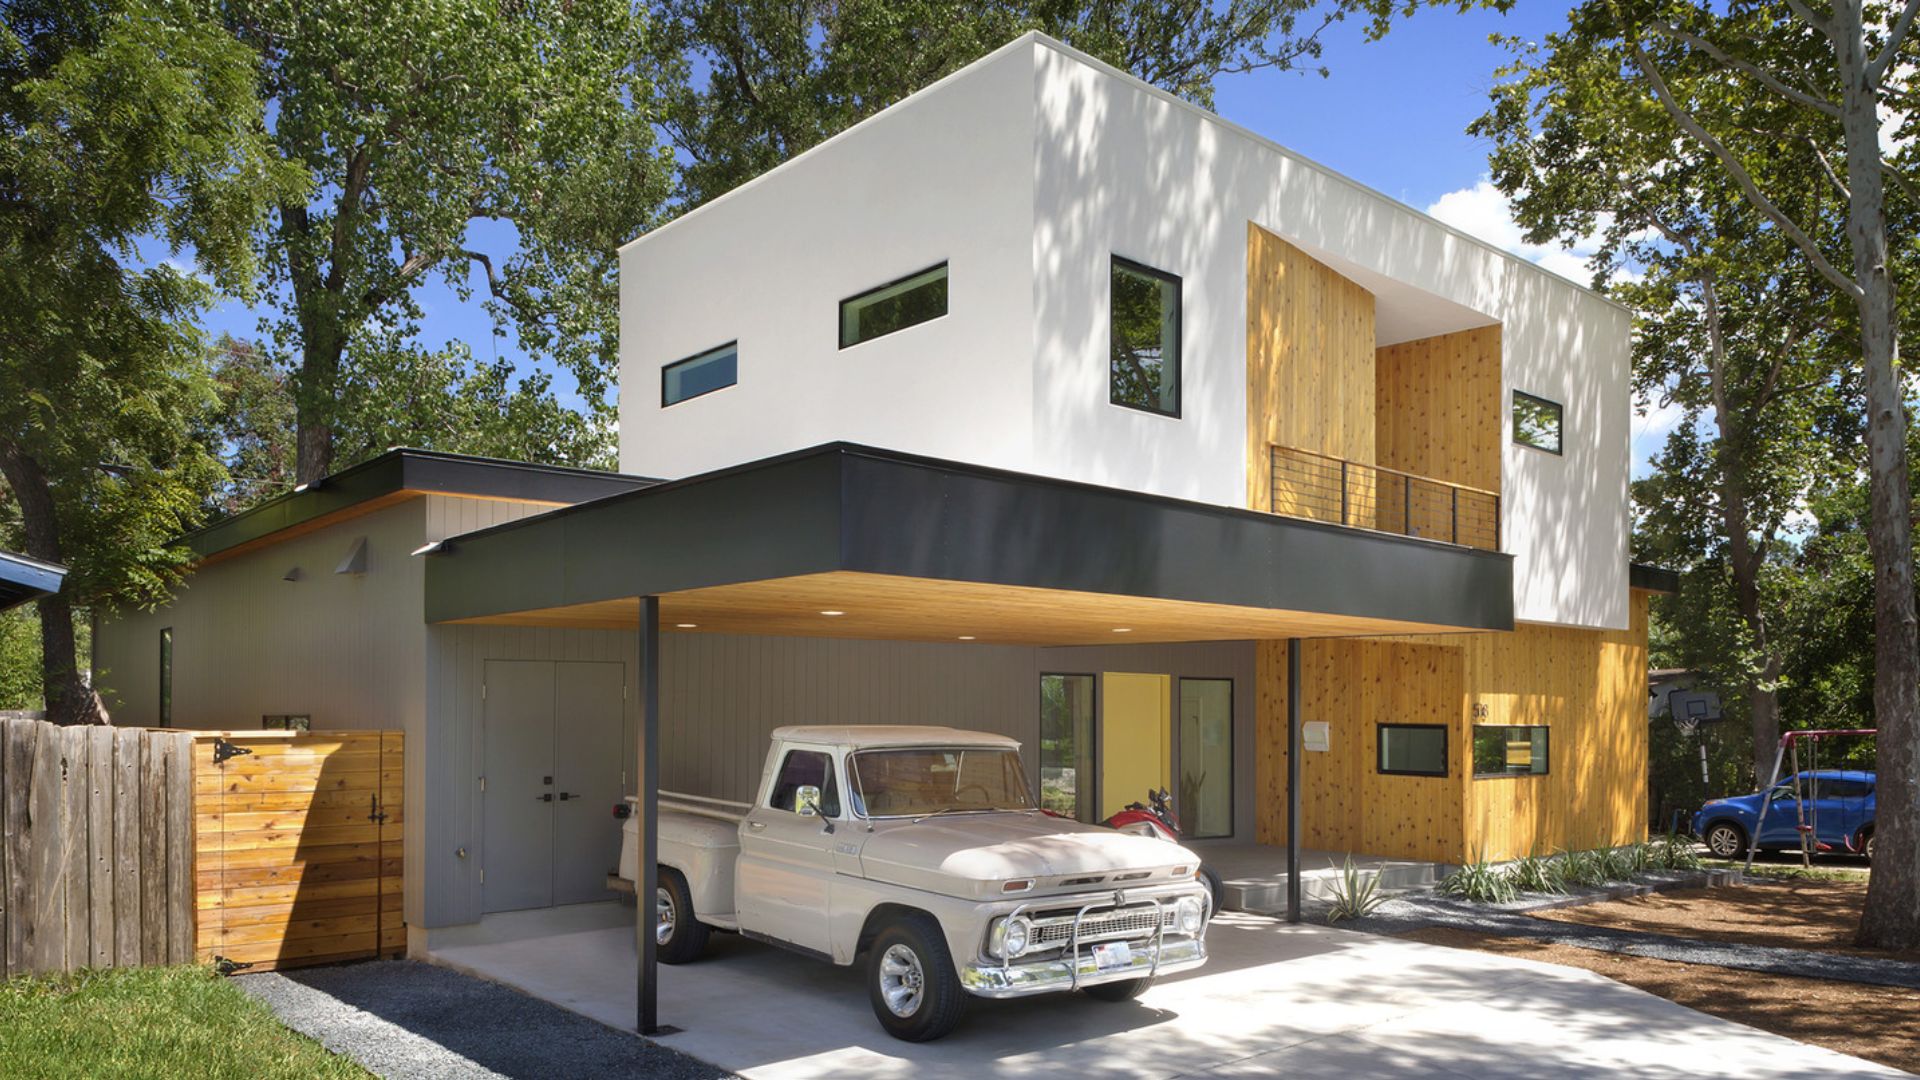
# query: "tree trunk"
1892, 916
315, 390
69, 699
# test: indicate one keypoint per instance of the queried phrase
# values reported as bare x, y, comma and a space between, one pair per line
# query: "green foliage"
171, 1021
20, 679
782, 77
1536, 874
1585, 868
1480, 882
1672, 852
505, 148
1355, 893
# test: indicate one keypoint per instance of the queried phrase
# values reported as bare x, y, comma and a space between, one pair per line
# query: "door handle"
548, 797
565, 795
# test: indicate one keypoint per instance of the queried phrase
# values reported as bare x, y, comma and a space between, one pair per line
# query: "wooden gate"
298, 851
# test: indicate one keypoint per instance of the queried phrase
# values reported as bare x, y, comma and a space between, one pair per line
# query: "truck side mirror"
806, 801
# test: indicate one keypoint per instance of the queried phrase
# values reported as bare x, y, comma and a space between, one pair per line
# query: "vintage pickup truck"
921, 851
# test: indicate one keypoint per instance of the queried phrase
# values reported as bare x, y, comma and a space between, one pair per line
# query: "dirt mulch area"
1872, 1022
1818, 915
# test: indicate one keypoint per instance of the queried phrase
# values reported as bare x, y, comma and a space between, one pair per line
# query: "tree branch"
1741, 177
1807, 15
1766, 78
1895, 39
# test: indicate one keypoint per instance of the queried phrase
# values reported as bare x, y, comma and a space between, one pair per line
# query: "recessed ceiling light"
833, 613
686, 625
1123, 629
966, 637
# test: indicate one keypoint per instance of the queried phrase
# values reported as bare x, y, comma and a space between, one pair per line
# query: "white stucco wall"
946, 175
1027, 172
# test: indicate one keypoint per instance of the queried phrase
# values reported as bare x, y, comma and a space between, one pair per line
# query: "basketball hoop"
1691, 709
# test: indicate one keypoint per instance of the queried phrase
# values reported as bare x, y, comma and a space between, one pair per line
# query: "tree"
779, 76
1767, 90
118, 121
418, 120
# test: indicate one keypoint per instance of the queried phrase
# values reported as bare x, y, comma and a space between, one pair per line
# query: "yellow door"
1136, 735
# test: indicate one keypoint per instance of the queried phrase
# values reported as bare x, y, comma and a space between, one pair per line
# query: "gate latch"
374, 813
222, 750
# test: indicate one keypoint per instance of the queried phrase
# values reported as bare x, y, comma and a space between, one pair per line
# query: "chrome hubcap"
902, 981
663, 916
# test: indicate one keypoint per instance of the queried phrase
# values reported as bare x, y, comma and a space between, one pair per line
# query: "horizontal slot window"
910, 301
1509, 750
715, 369
1536, 422
1413, 749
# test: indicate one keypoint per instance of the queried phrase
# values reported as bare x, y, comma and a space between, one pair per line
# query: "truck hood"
974, 855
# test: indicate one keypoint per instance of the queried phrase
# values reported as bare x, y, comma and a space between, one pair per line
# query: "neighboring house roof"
23, 579
1652, 578
400, 474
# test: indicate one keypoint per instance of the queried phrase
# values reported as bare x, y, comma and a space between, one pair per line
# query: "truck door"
783, 882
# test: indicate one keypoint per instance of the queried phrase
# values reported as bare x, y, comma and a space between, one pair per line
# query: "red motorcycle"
1157, 820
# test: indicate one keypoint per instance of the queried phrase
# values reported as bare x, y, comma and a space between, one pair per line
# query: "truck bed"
699, 837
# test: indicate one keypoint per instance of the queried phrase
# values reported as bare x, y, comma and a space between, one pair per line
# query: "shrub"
1537, 874
1479, 882
1355, 894
1584, 868
1674, 853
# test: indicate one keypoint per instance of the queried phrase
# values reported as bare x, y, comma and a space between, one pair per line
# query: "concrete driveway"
1305, 1001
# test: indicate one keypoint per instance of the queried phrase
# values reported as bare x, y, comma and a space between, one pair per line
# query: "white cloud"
1482, 211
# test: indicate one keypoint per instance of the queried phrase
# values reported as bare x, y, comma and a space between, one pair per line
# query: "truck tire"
679, 936
916, 994
1216, 889
1124, 990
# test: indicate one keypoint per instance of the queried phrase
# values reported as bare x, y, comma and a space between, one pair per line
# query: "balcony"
1321, 488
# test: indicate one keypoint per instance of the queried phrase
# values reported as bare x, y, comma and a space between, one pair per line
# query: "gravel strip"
1403, 914
401, 1019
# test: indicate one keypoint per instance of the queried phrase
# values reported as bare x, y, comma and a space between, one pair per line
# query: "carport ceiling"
858, 605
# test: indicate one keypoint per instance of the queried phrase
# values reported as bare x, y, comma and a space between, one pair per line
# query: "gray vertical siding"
721, 696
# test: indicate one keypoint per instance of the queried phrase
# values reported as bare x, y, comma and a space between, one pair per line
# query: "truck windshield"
926, 780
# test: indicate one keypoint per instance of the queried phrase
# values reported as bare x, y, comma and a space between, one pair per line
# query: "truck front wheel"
678, 935
910, 978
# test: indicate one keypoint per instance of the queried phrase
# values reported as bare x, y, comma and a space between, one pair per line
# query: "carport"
844, 541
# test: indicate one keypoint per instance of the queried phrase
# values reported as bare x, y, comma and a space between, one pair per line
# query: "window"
1833, 787
1536, 422
937, 780
1509, 750
715, 369
1066, 745
805, 768
166, 677
1144, 339
912, 300
1206, 758
1413, 749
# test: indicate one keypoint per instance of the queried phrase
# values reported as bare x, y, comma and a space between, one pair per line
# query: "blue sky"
1392, 114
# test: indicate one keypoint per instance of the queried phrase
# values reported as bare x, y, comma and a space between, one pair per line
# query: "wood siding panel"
1438, 409
1588, 687
1310, 360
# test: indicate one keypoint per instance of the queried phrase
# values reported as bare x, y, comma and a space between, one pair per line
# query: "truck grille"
1114, 924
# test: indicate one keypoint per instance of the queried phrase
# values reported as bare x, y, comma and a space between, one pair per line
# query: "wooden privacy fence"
297, 839
96, 856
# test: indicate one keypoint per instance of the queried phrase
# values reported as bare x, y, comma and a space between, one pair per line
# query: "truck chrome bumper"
992, 980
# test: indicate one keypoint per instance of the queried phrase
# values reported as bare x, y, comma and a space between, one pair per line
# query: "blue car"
1840, 810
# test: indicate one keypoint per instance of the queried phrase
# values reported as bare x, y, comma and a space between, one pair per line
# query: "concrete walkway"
1304, 1001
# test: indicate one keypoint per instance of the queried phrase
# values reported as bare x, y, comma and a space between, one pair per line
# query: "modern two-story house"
1043, 403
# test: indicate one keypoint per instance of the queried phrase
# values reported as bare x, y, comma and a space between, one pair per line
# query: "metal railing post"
1456, 514
1343, 491
1406, 506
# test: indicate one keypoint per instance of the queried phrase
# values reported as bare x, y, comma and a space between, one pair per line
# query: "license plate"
1114, 954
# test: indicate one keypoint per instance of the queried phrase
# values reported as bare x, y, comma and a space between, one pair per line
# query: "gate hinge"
222, 750
374, 813
227, 967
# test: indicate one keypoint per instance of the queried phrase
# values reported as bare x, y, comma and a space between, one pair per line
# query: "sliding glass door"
1206, 758
1066, 745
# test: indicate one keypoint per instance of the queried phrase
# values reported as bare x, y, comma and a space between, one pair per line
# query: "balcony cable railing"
1323, 488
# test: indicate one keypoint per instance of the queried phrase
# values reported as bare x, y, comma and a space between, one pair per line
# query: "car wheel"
1866, 844
679, 936
1726, 840
1124, 990
910, 978
1215, 887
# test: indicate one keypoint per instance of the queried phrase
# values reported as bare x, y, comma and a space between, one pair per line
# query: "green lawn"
1791, 871
151, 1022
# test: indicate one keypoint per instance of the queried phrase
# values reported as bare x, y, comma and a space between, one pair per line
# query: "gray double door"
553, 732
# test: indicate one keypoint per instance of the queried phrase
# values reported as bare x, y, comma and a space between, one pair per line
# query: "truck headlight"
1010, 937
1190, 914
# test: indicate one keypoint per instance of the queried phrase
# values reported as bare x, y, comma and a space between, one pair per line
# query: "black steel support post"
648, 882
1293, 780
